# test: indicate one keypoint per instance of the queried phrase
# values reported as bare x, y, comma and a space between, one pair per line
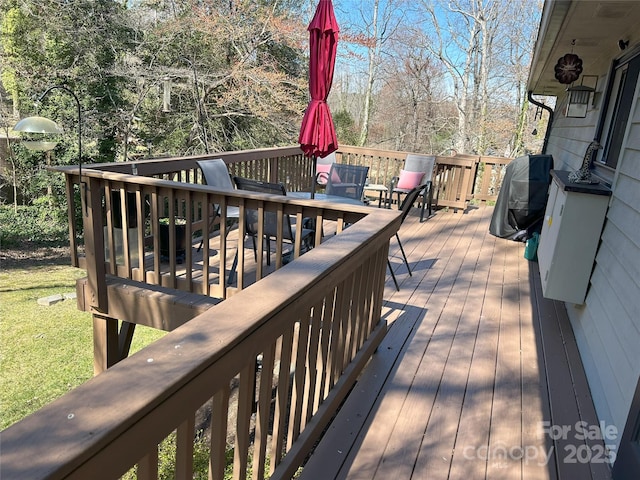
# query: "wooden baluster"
148, 466
219, 426
184, 449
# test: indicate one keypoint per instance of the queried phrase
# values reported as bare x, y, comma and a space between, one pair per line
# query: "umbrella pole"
314, 160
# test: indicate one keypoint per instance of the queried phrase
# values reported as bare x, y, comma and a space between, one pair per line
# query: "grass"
45, 351
167, 452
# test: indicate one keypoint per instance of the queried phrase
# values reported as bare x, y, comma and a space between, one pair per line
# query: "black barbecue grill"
522, 199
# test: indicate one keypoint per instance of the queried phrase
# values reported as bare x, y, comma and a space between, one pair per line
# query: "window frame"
613, 123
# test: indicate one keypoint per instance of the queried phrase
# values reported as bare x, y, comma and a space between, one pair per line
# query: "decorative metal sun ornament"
568, 68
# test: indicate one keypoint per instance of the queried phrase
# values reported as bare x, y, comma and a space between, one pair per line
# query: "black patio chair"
347, 180
270, 225
216, 174
407, 203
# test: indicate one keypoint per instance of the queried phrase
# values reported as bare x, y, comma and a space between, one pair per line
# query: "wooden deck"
478, 376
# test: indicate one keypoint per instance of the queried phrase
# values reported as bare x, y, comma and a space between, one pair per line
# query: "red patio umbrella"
317, 134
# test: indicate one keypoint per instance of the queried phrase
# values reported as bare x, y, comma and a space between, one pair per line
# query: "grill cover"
523, 197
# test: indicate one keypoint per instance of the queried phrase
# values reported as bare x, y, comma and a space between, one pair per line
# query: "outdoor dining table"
326, 198
306, 196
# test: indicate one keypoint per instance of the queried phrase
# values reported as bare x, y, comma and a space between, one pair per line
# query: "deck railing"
127, 207
269, 366
127, 210
457, 179
489, 176
126, 215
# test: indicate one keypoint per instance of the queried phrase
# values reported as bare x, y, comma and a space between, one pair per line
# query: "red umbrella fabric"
317, 134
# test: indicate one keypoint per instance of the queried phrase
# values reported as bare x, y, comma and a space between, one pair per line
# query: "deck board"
474, 362
533, 382
507, 400
438, 444
414, 387
474, 422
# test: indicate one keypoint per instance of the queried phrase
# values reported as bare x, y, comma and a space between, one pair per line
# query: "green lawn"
47, 351
44, 351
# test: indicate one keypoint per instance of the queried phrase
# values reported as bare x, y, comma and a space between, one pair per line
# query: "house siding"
607, 326
570, 137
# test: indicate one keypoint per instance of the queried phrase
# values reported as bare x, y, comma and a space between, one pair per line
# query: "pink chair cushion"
322, 174
409, 180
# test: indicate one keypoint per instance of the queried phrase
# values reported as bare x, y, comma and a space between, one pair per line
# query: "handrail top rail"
235, 156
194, 187
261, 153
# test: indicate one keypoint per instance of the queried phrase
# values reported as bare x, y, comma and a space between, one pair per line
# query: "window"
620, 99
627, 464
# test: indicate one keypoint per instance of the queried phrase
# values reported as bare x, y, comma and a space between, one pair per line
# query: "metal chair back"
215, 173
417, 163
270, 218
347, 180
420, 163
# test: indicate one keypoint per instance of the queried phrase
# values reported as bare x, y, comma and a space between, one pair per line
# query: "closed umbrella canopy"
317, 133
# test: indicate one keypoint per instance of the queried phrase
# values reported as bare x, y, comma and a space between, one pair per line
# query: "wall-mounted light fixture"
580, 97
578, 102
41, 129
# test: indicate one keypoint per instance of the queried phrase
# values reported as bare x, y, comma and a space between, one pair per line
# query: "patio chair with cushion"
418, 170
407, 203
347, 180
270, 226
323, 165
216, 174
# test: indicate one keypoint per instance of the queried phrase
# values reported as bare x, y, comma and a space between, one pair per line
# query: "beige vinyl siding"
607, 327
570, 137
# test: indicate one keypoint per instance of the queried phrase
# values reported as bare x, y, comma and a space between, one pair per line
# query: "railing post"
105, 343
71, 218
273, 170
94, 248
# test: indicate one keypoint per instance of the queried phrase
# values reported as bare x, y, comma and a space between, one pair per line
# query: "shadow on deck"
479, 376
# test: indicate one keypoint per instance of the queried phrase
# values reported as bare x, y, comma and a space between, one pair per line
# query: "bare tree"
472, 38
371, 33
520, 36
413, 90
454, 41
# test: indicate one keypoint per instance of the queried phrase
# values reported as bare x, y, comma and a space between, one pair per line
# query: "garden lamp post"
44, 126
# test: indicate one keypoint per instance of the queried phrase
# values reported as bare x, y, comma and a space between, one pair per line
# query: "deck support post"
109, 345
94, 248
